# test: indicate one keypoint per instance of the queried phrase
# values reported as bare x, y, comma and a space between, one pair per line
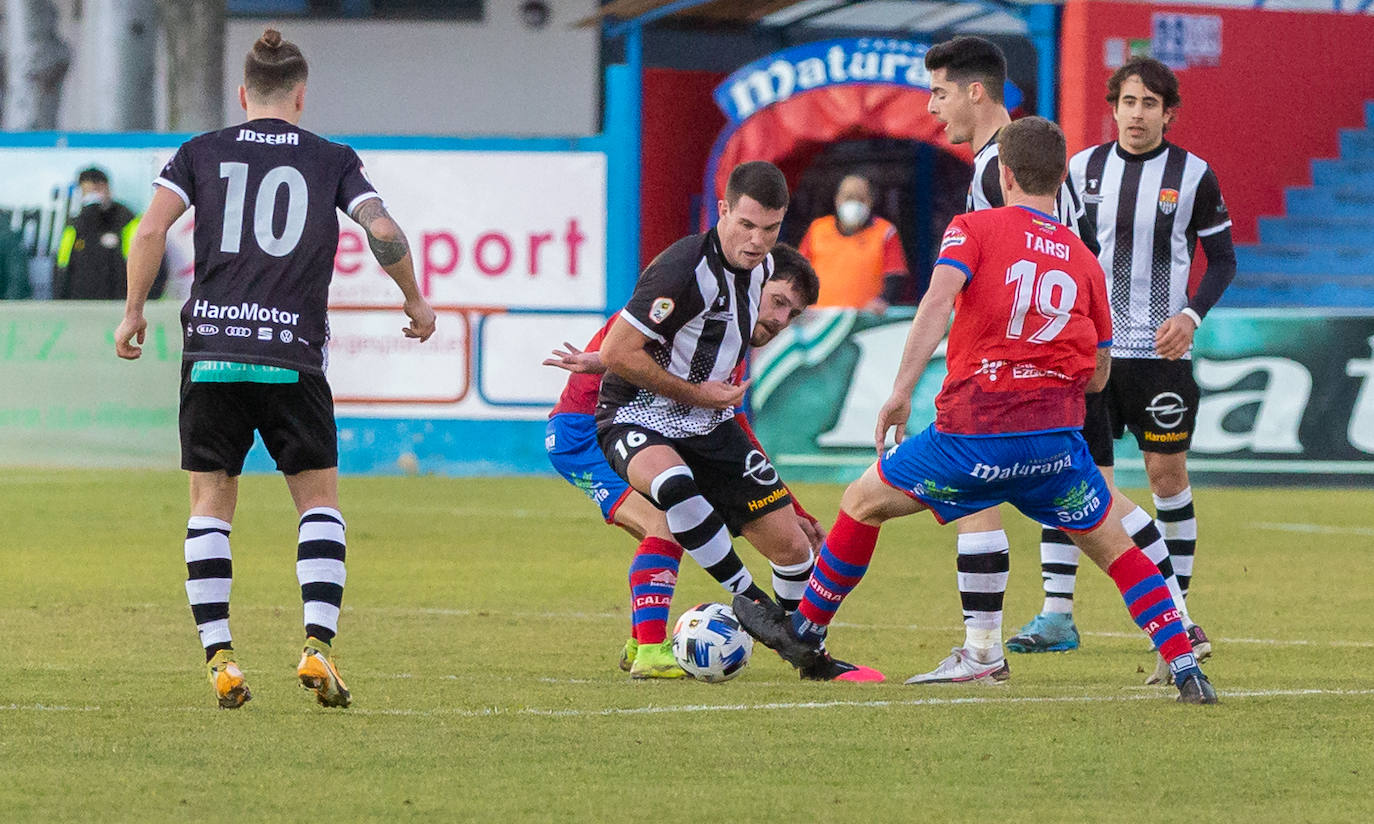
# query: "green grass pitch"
479, 634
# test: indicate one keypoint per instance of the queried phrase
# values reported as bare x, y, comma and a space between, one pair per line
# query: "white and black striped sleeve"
987, 188
665, 297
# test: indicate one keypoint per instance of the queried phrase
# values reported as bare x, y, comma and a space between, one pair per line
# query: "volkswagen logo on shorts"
757, 467
238, 331
207, 329
286, 336
1167, 409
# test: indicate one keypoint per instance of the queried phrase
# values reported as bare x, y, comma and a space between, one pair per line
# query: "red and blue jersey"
1027, 324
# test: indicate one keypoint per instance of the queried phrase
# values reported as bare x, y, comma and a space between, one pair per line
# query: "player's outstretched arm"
927, 329
392, 252
576, 361
145, 258
623, 353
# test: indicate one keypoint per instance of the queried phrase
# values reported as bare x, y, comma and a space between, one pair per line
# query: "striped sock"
653, 577
1179, 524
700, 531
209, 574
320, 570
1149, 602
1141, 527
1058, 570
790, 580
843, 561
984, 561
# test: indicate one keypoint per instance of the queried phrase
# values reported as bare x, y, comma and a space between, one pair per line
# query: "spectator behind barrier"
857, 255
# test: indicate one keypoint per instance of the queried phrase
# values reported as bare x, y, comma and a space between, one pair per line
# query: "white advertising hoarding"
509, 247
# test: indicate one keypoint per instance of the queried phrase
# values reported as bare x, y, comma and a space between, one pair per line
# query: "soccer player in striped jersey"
573, 450
266, 195
1032, 329
1150, 204
665, 414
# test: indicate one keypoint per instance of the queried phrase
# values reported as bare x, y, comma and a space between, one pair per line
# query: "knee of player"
860, 503
673, 486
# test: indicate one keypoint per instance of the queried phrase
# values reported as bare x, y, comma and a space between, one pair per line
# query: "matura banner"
1287, 397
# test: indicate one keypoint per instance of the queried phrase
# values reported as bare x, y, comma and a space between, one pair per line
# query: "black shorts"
296, 421
1156, 400
736, 479
1097, 429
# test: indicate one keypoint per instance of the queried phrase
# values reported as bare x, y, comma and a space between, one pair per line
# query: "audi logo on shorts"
207, 329
238, 331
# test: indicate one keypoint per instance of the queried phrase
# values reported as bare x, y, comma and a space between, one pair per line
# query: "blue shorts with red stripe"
570, 439
1049, 476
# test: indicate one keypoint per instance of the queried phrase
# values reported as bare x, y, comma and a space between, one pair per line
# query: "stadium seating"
1321, 252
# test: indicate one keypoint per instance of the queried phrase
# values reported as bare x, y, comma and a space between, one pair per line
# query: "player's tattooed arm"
384, 236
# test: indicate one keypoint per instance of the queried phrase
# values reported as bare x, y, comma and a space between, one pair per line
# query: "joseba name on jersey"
243, 311
250, 136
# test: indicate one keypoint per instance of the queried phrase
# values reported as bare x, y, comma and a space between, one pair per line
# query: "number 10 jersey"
266, 231
1026, 326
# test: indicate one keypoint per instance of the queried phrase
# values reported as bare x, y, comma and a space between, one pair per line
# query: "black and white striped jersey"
985, 192
1147, 212
698, 313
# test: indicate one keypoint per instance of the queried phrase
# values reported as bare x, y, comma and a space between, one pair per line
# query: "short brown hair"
761, 181
273, 66
790, 266
968, 59
1036, 152
1156, 76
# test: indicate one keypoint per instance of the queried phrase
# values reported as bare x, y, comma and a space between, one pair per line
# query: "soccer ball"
710, 644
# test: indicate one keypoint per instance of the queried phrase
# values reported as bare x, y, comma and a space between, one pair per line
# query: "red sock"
1147, 597
653, 578
842, 563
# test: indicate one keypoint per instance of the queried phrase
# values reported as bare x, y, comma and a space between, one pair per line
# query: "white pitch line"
1314, 529
877, 704
487, 712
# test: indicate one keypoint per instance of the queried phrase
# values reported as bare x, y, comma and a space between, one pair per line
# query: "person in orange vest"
857, 255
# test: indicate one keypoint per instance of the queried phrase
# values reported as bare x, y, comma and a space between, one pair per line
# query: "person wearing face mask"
857, 255
95, 245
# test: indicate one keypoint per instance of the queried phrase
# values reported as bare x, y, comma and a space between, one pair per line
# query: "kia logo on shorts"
238, 331
207, 329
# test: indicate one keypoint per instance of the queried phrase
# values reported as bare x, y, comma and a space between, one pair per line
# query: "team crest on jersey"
1168, 200
954, 236
661, 309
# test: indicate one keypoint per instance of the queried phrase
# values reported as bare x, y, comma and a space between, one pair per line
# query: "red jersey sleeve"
894, 259
959, 248
1099, 310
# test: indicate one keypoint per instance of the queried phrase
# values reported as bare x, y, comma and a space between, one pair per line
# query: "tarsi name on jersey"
1045, 246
